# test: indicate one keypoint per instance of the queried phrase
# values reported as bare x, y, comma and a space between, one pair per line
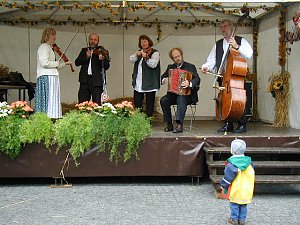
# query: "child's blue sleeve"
230, 173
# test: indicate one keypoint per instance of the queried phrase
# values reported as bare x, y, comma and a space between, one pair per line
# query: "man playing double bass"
214, 62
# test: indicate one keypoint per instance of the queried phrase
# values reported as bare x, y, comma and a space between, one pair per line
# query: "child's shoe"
234, 222
242, 222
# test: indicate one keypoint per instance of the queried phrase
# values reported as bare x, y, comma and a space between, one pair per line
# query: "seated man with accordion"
183, 83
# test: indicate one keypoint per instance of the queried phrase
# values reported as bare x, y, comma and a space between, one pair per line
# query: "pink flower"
27, 108
119, 106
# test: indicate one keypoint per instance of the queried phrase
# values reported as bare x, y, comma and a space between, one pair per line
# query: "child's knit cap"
238, 147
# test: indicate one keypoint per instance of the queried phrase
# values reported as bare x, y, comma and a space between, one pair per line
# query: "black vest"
151, 76
220, 51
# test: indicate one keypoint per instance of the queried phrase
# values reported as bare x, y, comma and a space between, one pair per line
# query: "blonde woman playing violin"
47, 94
146, 74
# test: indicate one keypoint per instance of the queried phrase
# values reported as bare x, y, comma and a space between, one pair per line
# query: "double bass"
231, 100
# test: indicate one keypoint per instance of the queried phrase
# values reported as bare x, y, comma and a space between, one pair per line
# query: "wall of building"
268, 64
18, 47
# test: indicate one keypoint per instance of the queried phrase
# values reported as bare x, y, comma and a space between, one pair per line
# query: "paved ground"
139, 201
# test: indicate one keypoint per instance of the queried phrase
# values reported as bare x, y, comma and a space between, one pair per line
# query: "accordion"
176, 77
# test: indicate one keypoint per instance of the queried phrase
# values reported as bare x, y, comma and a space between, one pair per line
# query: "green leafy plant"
137, 128
10, 142
109, 134
76, 130
38, 128
108, 126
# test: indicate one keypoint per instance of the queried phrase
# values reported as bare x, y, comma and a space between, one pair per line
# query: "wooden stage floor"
208, 128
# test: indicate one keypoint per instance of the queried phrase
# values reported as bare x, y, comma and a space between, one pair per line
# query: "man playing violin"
146, 74
214, 62
94, 61
181, 101
47, 95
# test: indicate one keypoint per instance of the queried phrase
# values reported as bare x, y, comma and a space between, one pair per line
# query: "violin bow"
163, 39
86, 40
87, 43
68, 44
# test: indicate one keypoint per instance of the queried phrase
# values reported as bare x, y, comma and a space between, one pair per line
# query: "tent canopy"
132, 12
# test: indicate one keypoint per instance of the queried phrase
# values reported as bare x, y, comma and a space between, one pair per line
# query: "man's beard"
93, 45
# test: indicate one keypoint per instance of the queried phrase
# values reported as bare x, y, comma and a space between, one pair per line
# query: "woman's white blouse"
46, 63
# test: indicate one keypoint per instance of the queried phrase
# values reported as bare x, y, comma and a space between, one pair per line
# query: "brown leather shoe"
234, 222
178, 129
168, 128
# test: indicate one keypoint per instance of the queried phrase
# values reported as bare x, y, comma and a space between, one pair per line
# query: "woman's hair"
171, 51
46, 34
145, 37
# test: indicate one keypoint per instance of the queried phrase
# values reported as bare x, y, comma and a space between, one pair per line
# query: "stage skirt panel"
47, 98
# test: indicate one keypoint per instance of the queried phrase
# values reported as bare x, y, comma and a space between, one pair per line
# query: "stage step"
265, 179
261, 164
264, 160
256, 150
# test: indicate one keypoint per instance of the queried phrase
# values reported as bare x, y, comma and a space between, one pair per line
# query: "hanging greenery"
282, 43
112, 8
108, 126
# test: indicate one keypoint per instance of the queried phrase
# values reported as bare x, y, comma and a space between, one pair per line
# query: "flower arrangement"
124, 109
86, 106
104, 109
279, 87
276, 85
4, 109
20, 108
109, 126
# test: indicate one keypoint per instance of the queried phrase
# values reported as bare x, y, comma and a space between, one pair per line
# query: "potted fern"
108, 126
12, 118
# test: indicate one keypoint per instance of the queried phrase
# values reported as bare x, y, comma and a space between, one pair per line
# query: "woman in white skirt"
47, 95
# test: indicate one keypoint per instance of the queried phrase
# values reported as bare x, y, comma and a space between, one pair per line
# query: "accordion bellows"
176, 77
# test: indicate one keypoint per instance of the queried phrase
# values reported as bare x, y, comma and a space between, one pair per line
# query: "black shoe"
240, 129
178, 129
169, 128
229, 128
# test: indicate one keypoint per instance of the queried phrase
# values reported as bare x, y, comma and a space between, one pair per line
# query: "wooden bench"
273, 165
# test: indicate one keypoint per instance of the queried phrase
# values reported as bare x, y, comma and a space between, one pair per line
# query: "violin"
148, 52
63, 56
101, 51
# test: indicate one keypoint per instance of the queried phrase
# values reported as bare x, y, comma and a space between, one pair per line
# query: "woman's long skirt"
47, 96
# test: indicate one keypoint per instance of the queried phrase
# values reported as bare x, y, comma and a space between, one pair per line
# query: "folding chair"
193, 108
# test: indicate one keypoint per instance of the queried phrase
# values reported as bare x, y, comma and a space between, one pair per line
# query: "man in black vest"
94, 61
181, 101
214, 62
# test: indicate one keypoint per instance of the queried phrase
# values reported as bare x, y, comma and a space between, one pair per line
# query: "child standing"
238, 182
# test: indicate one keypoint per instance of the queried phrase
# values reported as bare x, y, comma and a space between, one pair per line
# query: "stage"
161, 154
208, 129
